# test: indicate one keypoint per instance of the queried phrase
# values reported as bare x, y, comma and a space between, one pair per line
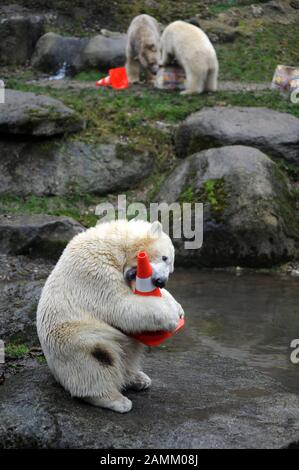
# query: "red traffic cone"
119, 78
144, 284
145, 287
104, 81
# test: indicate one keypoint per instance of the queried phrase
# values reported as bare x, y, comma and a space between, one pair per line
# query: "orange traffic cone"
144, 286
104, 81
117, 78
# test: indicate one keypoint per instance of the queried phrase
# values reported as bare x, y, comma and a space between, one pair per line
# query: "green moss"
215, 193
16, 351
78, 206
187, 195
286, 203
290, 169
41, 359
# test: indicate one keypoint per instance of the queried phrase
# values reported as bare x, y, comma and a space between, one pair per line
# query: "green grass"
79, 207
89, 75
16, 351
255, 58
221, 7
19, 351
131, 112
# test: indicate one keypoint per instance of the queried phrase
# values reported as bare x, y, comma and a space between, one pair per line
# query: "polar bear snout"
160, 275
154, 68
159, 281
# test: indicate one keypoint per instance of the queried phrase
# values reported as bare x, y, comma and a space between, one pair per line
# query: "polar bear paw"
139, 381
120, 404
123, 405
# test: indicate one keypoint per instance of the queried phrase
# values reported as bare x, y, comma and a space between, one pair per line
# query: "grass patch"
89, 75
41, 359
221, 7
79, 207
213, 192
132, 112
255, 58
16, 351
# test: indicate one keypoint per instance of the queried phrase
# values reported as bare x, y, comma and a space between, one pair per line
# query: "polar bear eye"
164, 258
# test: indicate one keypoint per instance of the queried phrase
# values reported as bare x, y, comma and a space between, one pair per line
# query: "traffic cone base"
158, 337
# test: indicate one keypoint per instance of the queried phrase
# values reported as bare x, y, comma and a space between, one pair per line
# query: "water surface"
250, 317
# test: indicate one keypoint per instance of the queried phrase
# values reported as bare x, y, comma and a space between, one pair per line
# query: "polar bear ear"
156, 229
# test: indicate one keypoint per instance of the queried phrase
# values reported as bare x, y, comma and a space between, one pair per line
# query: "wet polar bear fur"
87, 306
143, 47
191, 48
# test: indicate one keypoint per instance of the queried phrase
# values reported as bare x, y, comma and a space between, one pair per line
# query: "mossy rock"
249, 208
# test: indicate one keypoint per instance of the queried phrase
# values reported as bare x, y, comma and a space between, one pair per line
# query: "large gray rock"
101, 52
198, 400
36, 235
21, 281
53, 51
28, 114
249, 212
18, 311
275, 133
62, 167
19, 32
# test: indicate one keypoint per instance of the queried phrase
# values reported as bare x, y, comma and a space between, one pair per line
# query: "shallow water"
250, 317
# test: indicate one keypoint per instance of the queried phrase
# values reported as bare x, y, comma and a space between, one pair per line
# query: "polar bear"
87, 308
143, 47
191, 48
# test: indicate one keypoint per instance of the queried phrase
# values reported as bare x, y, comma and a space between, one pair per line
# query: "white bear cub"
143, 47
191, 48
87, 308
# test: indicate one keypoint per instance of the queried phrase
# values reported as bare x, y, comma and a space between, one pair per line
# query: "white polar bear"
143, 47
191, 48
87, 306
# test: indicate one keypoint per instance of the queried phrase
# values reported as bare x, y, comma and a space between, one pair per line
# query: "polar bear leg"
94, 366
195, 80
134, 377
212, 79
133, 70
117, 402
